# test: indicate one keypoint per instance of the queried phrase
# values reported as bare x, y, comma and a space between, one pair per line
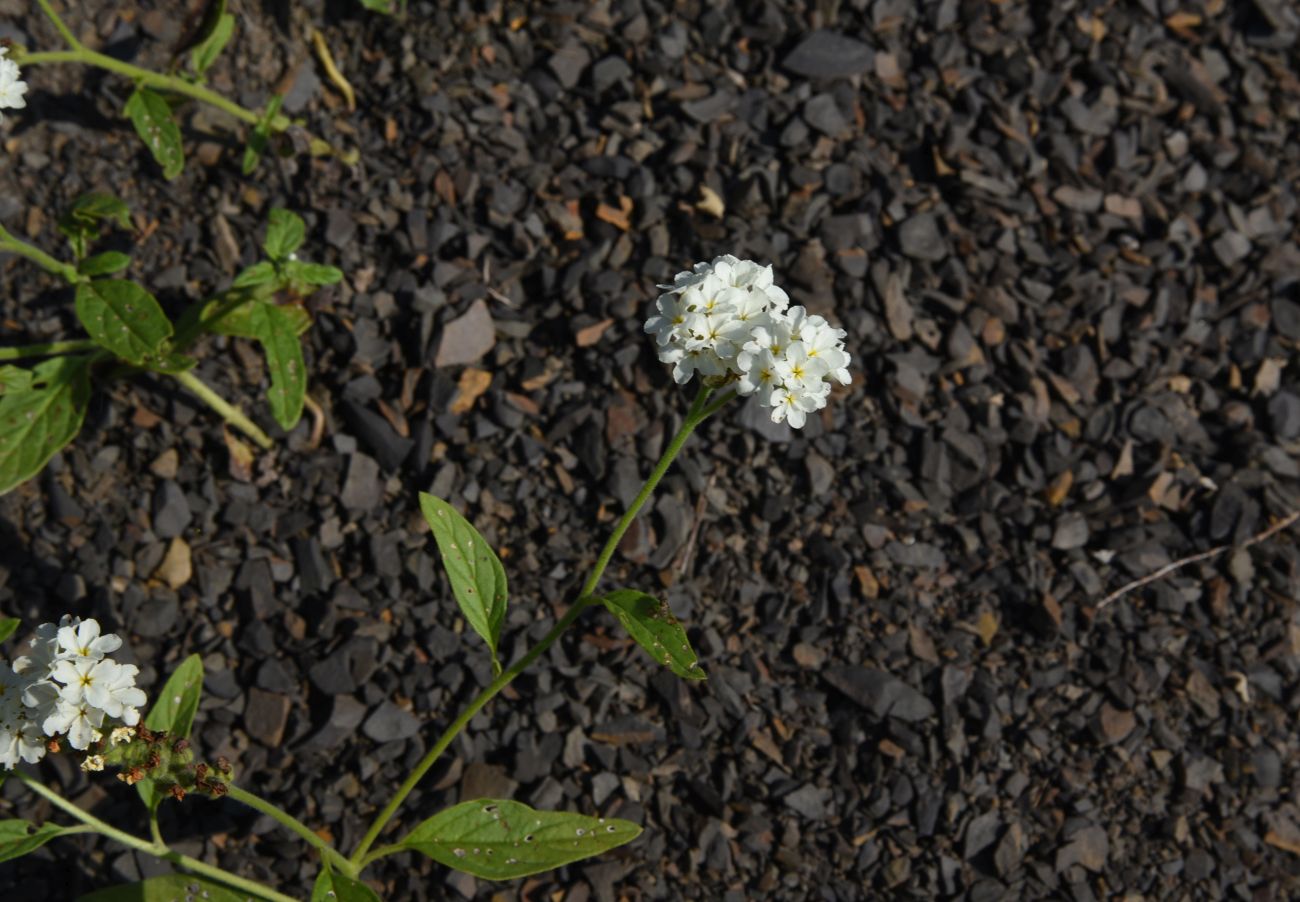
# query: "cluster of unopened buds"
68, 688
729, 322
12, 87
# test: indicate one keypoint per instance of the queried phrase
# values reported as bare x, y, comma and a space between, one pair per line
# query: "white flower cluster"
727, 319
67, 686
12, 87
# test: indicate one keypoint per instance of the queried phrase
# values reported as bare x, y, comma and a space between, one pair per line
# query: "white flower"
728, 321
120, 735
105, 684
12, 87
83, 639
20, 741
80, 721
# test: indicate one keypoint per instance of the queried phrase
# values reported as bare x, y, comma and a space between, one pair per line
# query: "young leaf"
237, 322
124, 318
260, 135
17, 837
649, 621
498, 839
477, 578
8, 626
332, 887
157, 128
379, 6
262, 273
275, 329
84, 221
40, 417
14, 378
173, 712
284, 234
167, 888
104, 264
219, 25
312, 274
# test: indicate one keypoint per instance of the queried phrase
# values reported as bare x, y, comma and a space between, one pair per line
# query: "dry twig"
1202, 556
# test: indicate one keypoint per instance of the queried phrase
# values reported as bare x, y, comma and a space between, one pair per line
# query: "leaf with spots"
649, 621
501, 840
238, 321
334, 887
157, 128
17, 837
124, 318
278, 333
477, 578
173, 713
167, 888
40, 415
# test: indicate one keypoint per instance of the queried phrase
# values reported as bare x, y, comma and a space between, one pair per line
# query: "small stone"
981, 833
468, 337
826, 54
389, 723
920, 238
809, 656
1084, 200
569, 62
266, 715
171, 510
166, 464
809, 801
881, 693
176, 568
1114, 725
362, 490
1231, 247
823, 114
1089, 847
1071, 531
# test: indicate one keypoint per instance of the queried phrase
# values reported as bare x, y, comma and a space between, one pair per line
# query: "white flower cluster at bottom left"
67, 686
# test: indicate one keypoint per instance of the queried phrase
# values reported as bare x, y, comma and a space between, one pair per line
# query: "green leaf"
312, 274
8, 626
275, 330
477, 578
262, 273
39, 418
85, 220
261, 134
332, 887
17, 837
218, 26
157, 128
104, 264
14, 378
498, 839
173, 712
124, 318
238, 322
285, 232
649, 621
379, 6
168, 888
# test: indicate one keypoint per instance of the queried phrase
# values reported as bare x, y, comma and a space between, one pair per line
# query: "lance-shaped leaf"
124, 318
261, 273
17, 837
173, 712
157, 128
260, 135
238, 322
104, 264
285, 232
40, 417
8, 626
168, 888
214, 34
649, 621
333, 887
498, 839
477, 578
277, 333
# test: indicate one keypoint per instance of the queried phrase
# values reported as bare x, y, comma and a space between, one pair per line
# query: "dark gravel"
1063, 241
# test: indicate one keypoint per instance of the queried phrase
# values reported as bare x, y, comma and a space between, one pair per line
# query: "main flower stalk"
699, 411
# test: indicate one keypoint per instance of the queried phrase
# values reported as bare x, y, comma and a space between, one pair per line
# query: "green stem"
51, 349
66, 271
63, 29
231, 414
694, 417
328, 852
155, 848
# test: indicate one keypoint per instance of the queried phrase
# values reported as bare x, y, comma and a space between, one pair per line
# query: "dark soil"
1064, 245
